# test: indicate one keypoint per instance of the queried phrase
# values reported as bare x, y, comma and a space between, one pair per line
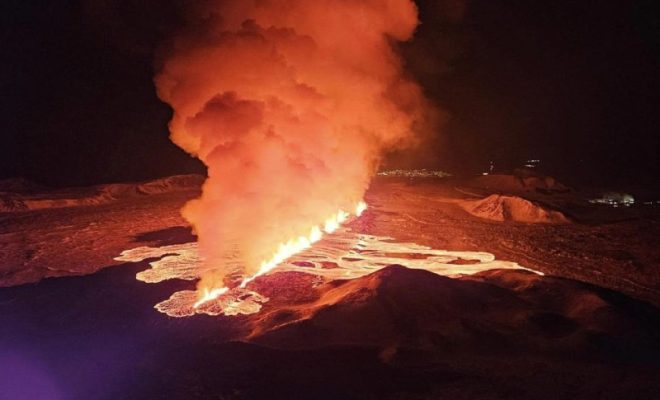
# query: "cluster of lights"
615, 200
414, 173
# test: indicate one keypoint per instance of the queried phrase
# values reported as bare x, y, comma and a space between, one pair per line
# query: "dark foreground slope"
394, 334
498, 312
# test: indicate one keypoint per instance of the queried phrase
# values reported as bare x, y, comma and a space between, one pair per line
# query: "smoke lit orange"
291, 105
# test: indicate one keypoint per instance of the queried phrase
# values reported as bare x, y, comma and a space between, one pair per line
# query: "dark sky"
574, 83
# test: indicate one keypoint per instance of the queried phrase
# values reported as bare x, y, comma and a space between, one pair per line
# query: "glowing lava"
210, 294
339, 256
359, 209
285, 251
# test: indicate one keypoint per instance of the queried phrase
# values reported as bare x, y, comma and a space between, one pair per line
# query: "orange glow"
210, 294
353, 254
360, 208
291, 106
284, 251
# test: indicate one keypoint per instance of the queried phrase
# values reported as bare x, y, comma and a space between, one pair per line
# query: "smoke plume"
291, 104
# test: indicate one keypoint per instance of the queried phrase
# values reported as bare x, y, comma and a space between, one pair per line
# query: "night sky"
574, 83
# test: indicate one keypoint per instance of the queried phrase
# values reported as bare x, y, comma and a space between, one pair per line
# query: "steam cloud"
291, 104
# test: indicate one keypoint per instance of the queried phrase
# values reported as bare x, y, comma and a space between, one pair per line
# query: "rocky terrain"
588, 328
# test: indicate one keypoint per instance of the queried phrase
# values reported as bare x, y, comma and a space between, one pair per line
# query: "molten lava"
342, 255
210, 294
285, 251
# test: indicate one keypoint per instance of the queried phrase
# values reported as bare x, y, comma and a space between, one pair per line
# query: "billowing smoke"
291, 104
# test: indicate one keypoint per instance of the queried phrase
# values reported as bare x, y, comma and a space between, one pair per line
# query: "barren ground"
587, 329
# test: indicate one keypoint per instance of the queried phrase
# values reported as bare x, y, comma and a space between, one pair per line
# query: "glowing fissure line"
286, 250
210, 294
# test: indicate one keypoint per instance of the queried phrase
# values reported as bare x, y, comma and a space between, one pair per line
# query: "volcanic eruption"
291, 105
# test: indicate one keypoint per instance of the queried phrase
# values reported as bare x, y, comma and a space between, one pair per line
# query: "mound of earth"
497, 311
21, 195
19, 185
515, 184
171, 184
512, 208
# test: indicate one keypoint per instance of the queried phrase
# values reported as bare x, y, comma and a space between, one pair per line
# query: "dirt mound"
19, 185
24, 196
492, 312
395, 306
515, 184
171, 184
74, 197
512, 208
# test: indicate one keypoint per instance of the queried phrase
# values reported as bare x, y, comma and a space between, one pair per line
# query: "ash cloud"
291, 105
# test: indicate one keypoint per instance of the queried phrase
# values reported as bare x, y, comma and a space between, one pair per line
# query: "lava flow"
285, 251
340, 256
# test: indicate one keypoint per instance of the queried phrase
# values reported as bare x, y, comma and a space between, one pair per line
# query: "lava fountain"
284, 251
291, 105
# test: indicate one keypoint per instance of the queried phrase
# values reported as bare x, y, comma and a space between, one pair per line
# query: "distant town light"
532, 163
615, 199
414, 173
